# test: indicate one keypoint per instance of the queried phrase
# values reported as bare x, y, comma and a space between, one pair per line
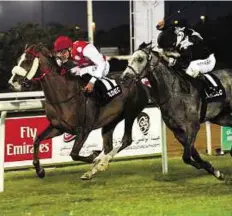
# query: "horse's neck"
162, 81
57, 88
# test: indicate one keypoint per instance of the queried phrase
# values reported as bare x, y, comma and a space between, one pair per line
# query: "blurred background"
25, 22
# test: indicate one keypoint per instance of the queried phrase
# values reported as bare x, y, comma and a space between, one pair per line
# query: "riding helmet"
62, 42
167, 38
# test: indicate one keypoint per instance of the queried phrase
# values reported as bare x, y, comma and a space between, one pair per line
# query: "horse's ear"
145, 45
142, 45
26, 46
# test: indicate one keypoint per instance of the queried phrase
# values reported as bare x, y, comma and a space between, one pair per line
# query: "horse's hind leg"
49, 132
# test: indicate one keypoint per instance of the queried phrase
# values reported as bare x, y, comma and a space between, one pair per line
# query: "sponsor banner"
146, 135
20, 133
19, 137
147, 14
226, 138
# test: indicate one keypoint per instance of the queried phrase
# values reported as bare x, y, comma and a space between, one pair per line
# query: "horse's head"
27, 67
140, 62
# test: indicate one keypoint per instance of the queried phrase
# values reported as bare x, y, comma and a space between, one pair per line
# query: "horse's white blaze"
34, 68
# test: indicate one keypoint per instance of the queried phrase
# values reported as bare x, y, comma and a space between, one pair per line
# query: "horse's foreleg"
127, 137
102, 160
49, 132
78, 144
126, 140
187, 137
206, 165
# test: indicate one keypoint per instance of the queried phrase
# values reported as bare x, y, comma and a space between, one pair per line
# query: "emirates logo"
68, 137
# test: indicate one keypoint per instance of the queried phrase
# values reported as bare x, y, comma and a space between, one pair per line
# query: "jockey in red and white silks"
85, 56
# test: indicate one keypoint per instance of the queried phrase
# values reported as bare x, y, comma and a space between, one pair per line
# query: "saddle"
209, 86
104, 91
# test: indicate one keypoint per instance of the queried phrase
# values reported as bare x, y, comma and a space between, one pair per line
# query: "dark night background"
34, 21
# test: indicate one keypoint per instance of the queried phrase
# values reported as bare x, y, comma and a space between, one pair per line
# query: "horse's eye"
140, 59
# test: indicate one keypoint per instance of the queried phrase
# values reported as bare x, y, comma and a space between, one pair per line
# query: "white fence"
28, 101
14, 105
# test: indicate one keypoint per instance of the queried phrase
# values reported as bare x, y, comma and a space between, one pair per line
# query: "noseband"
44, 71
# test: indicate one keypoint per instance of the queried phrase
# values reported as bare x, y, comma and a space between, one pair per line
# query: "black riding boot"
207, 86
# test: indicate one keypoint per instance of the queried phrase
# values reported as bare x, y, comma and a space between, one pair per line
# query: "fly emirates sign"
19, 137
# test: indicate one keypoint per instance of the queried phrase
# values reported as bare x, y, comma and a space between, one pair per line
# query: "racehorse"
182, 111
70, 110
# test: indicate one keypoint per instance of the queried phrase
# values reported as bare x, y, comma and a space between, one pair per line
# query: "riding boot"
207, 86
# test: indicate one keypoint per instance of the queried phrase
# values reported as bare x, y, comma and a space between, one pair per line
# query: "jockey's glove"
75, 71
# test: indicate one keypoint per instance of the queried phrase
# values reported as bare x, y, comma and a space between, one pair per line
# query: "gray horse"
181, 110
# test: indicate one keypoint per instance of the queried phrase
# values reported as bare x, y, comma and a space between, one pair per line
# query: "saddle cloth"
105, 89
214, 91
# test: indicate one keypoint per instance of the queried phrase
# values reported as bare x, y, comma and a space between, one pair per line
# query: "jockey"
84, 56
186, 47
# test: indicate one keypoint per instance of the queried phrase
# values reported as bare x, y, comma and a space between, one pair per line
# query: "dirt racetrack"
176, 149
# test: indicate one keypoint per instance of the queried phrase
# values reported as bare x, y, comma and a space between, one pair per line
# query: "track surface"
175, 148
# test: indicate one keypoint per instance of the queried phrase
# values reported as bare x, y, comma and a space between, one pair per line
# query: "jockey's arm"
92, 53
186, 57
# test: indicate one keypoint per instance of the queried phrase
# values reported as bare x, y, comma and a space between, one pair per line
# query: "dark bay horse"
69, 110
181, 111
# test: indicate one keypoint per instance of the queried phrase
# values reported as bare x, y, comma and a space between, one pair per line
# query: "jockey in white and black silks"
186, 47
84, 56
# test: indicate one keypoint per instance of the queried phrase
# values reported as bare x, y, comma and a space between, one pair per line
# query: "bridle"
149, 68
139, 76
44, 71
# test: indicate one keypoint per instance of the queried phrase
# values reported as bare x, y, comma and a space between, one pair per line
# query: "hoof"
41, 173
87, 176
219, 175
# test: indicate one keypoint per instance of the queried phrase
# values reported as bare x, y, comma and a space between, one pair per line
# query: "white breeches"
201, 66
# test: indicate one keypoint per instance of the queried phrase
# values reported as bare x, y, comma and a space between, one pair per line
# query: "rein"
151, 78
44, 71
